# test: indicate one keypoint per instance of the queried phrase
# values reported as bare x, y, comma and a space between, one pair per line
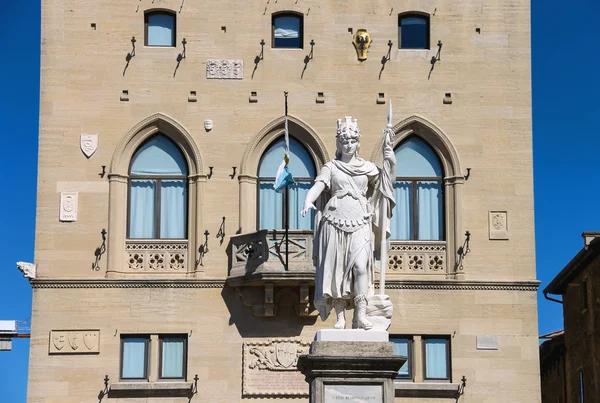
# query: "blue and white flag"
284, 177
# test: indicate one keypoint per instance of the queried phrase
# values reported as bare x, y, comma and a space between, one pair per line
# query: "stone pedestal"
350, 371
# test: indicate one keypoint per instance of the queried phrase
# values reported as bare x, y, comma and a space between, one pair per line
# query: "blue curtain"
301, 165
401, 348
401, 222
270, 207
172, 358
416, 159
297, 194
158, 156
429, 199
435, 354
172, 209
141, 210
161, 30
134, 357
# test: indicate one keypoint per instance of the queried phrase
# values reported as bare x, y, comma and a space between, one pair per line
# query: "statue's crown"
347, 123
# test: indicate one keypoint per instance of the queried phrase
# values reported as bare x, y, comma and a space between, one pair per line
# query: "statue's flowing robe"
348, 227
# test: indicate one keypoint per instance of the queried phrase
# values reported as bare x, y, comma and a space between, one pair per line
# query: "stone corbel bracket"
29, 269
267, 300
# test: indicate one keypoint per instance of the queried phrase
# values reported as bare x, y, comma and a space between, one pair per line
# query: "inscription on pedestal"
353, 393
270, 368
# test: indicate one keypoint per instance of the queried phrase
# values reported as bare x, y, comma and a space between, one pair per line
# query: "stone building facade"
579, 285
213, 312
552, 368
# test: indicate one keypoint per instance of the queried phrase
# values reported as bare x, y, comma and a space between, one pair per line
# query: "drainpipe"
552, 299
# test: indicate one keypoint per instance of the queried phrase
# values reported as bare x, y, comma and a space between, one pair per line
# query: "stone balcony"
265, 277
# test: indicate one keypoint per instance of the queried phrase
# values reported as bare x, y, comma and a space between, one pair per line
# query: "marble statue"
358, 199
28, 269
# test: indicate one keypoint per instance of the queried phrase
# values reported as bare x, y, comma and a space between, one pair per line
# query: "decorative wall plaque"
68, 206
269, 368
74, 342
225, 69
487, 342
88, 144
498, 224
362, 41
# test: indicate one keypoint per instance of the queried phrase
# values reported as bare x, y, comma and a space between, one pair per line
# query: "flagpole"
287, 191
384, 222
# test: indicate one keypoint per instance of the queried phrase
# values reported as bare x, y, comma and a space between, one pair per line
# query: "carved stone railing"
261, 255
258, 270
417, 257
157, 256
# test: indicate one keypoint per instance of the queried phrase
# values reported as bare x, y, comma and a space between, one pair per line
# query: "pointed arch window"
273, 206
158, 191
418, 214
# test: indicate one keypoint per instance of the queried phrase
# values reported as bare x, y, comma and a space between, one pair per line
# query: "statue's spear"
384, 221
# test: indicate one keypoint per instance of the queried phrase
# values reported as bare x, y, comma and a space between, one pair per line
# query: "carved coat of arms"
59, 341
286, 354
74, 340
89, 144
498, 221
90, 339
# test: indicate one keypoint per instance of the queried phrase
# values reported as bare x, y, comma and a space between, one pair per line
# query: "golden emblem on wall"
362, 41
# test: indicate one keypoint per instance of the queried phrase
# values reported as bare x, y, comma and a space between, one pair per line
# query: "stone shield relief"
269, 368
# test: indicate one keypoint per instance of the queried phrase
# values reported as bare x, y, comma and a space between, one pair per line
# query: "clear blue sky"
566, 144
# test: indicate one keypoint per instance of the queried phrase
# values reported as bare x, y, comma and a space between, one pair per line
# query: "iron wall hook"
210, 172
203, 249
464, 250
221, 233
100, 251
468, 174
233, 174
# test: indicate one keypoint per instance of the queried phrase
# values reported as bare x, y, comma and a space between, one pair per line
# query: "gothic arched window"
272, 206
418, 214
158, 191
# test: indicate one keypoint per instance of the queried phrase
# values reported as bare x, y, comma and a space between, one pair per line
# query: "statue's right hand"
307, 208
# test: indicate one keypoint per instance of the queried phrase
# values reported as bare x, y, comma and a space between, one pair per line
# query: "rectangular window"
413, 32
134, 357
436, 358
403, 347
160, 29
287, 31
584, 293
173, 357
581, 395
